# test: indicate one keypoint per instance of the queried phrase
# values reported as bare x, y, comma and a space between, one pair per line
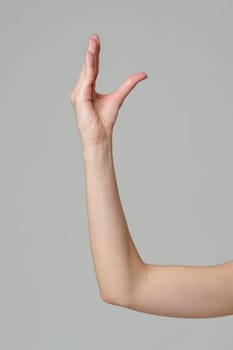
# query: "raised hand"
96, 113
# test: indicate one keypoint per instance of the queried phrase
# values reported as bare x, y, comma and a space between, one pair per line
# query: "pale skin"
124, 278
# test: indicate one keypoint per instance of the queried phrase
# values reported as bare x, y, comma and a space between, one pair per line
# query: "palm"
96, 113
96, 117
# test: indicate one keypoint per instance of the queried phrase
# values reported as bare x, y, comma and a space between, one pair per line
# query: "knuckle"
71, 96
75, 96
129, 80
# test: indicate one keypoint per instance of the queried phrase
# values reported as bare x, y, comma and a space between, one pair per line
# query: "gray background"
173, 158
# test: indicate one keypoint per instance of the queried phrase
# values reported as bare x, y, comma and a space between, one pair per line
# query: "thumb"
127, 86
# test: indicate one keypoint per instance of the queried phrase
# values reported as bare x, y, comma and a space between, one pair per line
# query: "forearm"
117, 263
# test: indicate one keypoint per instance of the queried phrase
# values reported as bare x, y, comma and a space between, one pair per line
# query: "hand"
96, 113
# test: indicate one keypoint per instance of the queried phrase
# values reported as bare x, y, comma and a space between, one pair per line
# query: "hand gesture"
96, 113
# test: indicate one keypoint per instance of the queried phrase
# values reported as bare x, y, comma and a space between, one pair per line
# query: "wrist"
99, 152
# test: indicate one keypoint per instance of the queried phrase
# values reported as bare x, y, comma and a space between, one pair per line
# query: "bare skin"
124, 279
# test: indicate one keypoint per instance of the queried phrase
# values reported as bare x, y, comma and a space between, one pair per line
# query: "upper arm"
184, 291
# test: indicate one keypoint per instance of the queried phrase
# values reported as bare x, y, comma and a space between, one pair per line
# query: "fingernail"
95, 35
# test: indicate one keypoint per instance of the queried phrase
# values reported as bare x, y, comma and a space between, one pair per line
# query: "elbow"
108, 300
122, 301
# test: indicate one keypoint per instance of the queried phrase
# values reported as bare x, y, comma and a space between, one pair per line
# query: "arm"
117, 263
123, 278
185, 291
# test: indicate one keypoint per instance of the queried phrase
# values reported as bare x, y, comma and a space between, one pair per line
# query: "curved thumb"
127, 86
